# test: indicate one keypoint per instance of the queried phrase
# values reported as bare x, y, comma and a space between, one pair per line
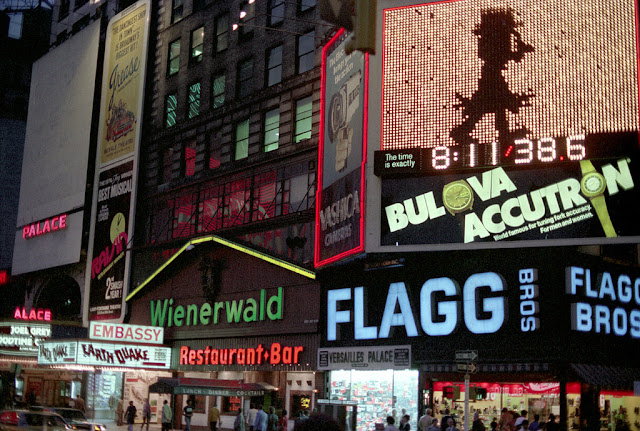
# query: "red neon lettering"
287, 353
54, 225
46, 228
184, 351
296, 350
16, 314
25, 232
192, 357
40, 315
275, 353
24, 314
33, 315
32, 230
38, 231
63, 221
47, 315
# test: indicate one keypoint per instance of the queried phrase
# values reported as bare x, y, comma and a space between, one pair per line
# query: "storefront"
538, 329
234, 317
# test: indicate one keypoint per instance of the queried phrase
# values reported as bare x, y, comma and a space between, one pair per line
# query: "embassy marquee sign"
588, 199
448, 303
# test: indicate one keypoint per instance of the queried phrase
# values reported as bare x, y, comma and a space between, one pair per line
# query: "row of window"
211, 206
304, 53
275, 11
270, 124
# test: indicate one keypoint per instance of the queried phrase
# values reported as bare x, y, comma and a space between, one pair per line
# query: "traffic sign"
469, 367
466, 355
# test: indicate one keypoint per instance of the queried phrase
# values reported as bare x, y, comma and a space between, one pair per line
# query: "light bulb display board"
508, 121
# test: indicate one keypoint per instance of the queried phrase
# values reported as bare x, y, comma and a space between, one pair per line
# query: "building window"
194, 100
222, 33
198, 5
274, 66
242, 140
304, 5
213, 153
306, 46
303, 119
177, 11
245, 76
189, 159
64, 9
271, 130
171, 105
217, 91
247, 16
197, 39
167, 166
173, 65
276, 11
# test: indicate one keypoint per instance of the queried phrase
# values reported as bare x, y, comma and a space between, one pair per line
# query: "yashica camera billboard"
501, 119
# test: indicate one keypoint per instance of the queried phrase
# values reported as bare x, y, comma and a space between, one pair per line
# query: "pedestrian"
239, 423
505, 418
119, 412
552, 425
167, 416
477, 424
251, 416
535, 425
445, 420
131, 415
187, 411
451, 424
391, 424
261, 420
272, 420
317, 422
214, 417
404, 422
434, 425
80, 404
425, 421
283, 423
146, 414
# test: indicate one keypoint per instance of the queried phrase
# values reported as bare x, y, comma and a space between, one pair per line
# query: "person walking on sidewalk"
146, 414
214, 417
131, 415
167, 415
188, 412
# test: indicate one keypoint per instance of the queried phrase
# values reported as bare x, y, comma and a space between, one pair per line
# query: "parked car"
25, 420
75, 418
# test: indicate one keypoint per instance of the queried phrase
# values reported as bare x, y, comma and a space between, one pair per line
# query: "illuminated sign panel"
451, 301
126, 333
479, 83
57, 352
276, 354
22, 339
33, 314
587, 200
123, 355
342, 154
365, 358
4, 277
45, 226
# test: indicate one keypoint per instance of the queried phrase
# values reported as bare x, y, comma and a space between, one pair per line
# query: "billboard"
113, 207
562, 302
56, 152
476, 92
342, 155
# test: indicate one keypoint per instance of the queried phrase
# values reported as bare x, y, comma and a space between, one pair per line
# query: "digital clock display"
479, 83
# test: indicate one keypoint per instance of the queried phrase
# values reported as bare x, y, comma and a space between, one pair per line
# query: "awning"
212, 387
608, 377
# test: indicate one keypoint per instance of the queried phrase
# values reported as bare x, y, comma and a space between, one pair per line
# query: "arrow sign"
467, 368
466, 355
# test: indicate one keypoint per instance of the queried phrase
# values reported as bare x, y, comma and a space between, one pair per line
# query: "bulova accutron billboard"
508, 121
113, 208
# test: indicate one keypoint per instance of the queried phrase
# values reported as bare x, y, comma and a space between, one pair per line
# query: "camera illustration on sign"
483, 83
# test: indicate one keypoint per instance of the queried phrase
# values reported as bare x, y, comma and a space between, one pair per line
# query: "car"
24, 420
75, 418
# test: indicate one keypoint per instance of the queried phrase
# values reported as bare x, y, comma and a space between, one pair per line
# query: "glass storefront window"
379, 394
103, 392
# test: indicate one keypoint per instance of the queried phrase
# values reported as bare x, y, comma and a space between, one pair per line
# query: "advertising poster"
124, 57
591, 200
341, 157
113, 209
111, 238
563, 302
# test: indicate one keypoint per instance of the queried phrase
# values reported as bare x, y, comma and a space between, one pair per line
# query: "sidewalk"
111, 426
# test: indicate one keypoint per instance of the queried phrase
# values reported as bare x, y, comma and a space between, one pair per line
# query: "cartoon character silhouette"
499, 42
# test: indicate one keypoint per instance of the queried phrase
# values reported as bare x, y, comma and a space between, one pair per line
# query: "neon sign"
40, 314
276, 354
44, 226
4, 277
